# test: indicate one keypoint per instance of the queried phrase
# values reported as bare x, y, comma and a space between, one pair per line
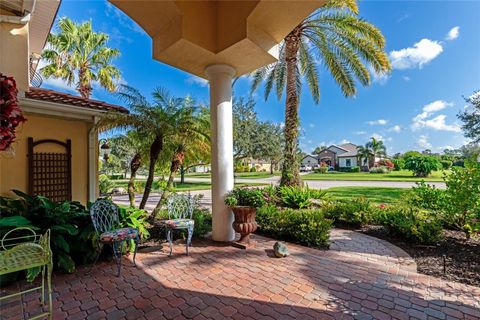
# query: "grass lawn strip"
365, 176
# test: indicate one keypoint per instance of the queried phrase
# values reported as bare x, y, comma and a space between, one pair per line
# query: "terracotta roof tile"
65, 98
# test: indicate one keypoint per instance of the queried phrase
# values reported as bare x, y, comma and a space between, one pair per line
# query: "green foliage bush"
425, 196
306, 226
446, 164
253, 169
202, 218
355, 212
105, 185
422, 166
321, 170
398, 164
295, 197
355, 169
72, 232
249, 197
410, 223
463, 198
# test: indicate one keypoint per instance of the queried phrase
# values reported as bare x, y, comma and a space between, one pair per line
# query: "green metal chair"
105, 219
22, 249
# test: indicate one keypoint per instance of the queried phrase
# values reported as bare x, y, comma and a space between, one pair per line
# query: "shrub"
463, 198
446, 164
425, 196
379, 170
355, 169
345, 169
355, 212
398, 164
248, 197
306, 226
134, 218
253, 169
116, 176
202, 218
295, 197
105, 185
411, 223
321, 170
70, 225
159, 184
386, 163
422, 166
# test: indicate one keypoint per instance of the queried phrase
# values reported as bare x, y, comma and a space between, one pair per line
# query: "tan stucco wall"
14, 170
14, 60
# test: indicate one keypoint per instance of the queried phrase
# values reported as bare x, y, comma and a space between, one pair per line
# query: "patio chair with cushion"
180, 210
105, 220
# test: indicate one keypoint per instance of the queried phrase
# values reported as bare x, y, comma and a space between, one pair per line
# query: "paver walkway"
360, 277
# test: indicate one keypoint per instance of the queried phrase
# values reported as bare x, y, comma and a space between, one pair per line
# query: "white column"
220, 77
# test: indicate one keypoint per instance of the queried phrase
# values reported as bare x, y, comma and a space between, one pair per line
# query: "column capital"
219, 68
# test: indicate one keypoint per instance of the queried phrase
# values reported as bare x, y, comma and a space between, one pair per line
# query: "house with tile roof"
341, 156
55, 152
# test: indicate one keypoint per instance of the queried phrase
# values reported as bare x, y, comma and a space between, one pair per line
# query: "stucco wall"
342, 162
14, 169
14, 39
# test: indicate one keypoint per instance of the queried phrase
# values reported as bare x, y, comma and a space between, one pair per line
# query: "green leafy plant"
398, 164
71, 228
248, 197
463, 198
422, 166
381, 169
355, 212
306, 226
425, 196
411, 223
295, 197
202, 218
105, 185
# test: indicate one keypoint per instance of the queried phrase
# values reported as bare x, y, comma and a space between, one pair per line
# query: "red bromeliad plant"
10, 112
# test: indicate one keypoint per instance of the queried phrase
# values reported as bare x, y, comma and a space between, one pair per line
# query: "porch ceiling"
192, 35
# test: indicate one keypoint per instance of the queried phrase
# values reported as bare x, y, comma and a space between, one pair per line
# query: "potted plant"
244, 203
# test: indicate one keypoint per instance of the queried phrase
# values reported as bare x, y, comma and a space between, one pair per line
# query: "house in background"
341, 156
55, 152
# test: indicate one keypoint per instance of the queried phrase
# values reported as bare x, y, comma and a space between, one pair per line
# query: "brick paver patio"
360, 277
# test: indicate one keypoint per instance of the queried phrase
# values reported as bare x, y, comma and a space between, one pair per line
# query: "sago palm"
343, 43
80, 56
157, 122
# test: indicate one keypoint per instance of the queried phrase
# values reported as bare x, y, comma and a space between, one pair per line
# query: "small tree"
471, 117
422, 166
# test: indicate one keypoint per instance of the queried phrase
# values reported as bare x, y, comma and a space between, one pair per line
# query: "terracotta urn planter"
244, 224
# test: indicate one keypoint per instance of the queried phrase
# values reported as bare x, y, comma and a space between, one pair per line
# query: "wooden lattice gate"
50, 173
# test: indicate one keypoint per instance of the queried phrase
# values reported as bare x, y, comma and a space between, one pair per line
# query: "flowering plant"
10, 112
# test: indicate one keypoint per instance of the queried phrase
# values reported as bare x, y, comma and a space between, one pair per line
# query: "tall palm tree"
80, 56
377, 148
364, 153
345, 45
192, 140
157, 122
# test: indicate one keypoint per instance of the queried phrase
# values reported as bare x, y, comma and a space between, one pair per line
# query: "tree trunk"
155, 150
84, 87
290, 170
182, 174
271, 167
177, 162
134, 165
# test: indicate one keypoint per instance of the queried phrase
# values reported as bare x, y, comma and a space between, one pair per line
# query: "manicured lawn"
245, 175
403, 175
375, 194
187, 186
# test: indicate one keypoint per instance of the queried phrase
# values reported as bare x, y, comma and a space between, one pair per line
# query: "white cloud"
395, 128
196, 80
344, 141
423, 142
424, 120
406, 78
417, 56
453, 33
380, 78
311, 125
123, 19
377, 136
59, 84
380, 122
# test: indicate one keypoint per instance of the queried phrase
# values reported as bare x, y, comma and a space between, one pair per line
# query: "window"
348, 162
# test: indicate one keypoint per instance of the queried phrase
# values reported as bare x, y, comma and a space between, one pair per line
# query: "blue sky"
434, 47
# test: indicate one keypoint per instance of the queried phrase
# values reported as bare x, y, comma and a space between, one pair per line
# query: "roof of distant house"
68, 99
351, 150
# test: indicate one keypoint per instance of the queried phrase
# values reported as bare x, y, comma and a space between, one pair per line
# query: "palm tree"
157, 122
377, 148
364, 153
191, 140
344, 43
80, 56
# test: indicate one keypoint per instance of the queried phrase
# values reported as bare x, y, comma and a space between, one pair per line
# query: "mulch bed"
462, 257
